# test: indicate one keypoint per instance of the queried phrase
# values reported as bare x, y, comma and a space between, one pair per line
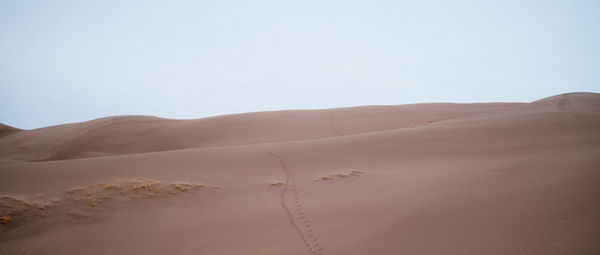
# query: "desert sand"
439, 178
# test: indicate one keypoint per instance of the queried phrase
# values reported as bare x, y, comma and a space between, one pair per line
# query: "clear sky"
67, 61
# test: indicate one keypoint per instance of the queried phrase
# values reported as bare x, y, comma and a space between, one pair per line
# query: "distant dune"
136, 134
439, 178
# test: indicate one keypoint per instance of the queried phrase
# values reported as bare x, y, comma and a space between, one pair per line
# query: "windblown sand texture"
441, 178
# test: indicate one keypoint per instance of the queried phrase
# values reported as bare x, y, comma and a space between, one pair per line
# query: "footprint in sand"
297, 220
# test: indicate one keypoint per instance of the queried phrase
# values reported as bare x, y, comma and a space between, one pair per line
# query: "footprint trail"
292, 205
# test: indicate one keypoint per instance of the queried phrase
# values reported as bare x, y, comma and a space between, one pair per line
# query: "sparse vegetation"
5, 219
77, 215
178, 188
111, 186
81, 199
74, 190
139, 187
355, 172
276, 183
339, 175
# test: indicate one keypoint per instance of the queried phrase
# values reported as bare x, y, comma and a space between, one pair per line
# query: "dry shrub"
111, 186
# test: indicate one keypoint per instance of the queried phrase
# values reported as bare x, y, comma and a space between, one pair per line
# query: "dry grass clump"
143, 184
145, 188
77, 214
276, 183
175, 188
5, 219
339, 175
15, 209
85, 200
355, 172
14, 202
74, 190
111, 186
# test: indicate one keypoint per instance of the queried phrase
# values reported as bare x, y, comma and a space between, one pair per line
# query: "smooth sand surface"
492, 178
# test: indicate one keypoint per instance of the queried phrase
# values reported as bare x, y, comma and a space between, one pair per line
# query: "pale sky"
69, 61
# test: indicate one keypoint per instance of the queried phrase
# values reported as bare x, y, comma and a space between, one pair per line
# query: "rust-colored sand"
494, 178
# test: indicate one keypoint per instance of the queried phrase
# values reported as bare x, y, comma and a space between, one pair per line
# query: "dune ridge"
135, 134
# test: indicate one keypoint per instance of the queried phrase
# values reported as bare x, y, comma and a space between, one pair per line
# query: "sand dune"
496, 178
135, 134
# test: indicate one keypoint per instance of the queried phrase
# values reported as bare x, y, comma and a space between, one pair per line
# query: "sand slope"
504, 178
8, 130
